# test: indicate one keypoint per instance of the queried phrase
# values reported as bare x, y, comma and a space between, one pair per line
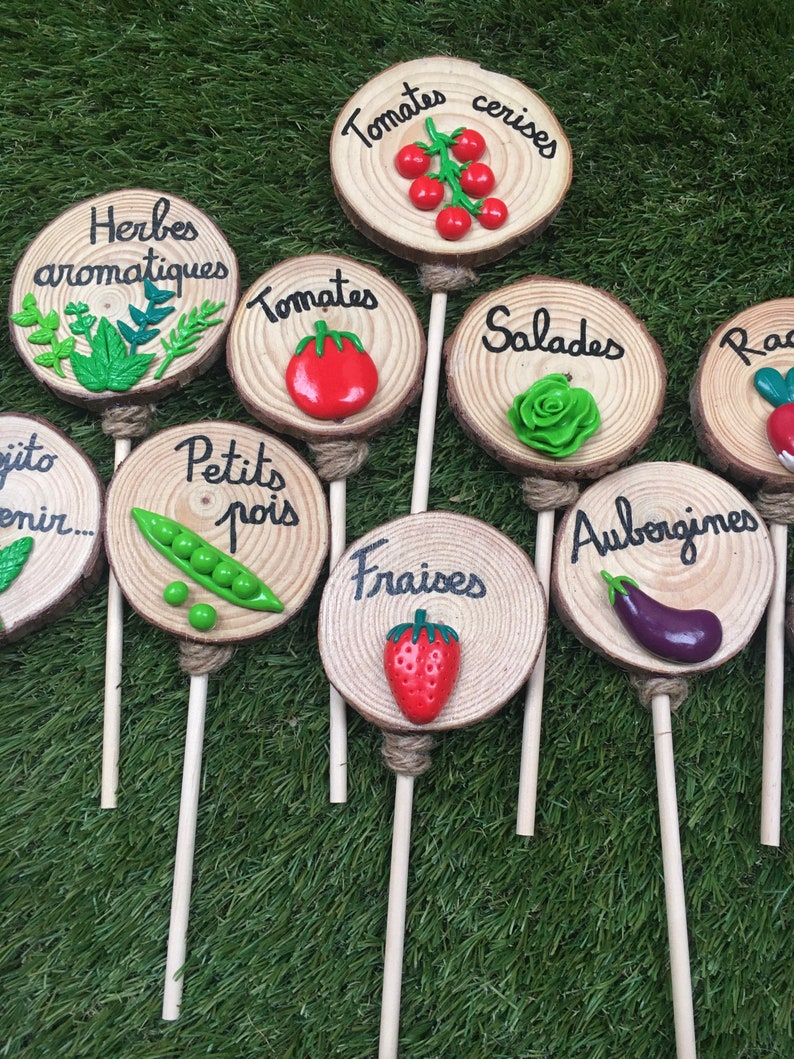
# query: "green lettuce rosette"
554, 417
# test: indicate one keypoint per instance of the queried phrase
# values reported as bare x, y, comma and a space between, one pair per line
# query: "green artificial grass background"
679, 117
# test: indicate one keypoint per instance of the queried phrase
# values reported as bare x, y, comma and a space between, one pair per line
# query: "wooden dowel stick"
533, 702
114, 638
427, 411
185, 845
395, 922
338, 712
404, 791
772, 767
683, 1011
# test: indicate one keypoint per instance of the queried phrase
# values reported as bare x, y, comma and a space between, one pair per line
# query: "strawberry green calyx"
449, 170
617, 584
322, 333
446, 632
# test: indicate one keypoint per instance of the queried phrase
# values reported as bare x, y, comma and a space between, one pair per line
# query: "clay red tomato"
426, 192
411, 161
469, 145
477, 179
421, 661
331, 375
493, 213
453, 222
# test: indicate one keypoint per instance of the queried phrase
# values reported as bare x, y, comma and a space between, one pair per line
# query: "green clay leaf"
123, 375
790, 384
12, 558
772, 386
46, 360
90, 372
107, 342
42, 337
25, 318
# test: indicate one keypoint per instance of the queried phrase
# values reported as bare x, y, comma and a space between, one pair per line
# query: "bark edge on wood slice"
525, 150
52, 495
688, 538
124, 298
590, 337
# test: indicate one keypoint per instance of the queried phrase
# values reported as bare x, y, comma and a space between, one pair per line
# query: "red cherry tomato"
411, 161
477, 179
331, 375
426, 192
493, 213
469, 146
453, 222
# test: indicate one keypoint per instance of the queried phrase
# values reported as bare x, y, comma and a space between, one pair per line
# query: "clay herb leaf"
12, 558
144, 319
109, 367
31, 316
183, 338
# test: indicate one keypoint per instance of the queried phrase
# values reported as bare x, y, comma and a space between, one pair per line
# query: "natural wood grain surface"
646, 513
526, 149
49, 491
97, 252
497, 608
729, 414
215, 504
281, 307
541, 326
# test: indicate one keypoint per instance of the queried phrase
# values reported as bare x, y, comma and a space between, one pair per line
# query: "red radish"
780, 424
421, 660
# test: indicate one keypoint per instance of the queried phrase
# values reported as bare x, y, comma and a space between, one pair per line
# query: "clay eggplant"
677, 635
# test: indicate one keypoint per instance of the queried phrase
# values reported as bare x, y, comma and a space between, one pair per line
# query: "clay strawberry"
780, 425
421, 661
331, 375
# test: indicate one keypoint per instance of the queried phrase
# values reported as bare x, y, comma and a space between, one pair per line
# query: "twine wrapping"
335, 460
128, 420
775, 507
676, 687
407, 754
544, 494
196, 659
437, 278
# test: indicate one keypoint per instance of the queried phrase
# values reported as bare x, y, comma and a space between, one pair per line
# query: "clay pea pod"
671, 633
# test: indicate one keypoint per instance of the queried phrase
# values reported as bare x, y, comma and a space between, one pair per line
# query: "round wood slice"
686, 536
102, 255
510, 338
463, 573
245, 493
50, 524
281, 309
525, 148
729, 414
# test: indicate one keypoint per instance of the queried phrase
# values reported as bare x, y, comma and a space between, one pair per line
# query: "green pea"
223, 574
202, 616
204, 560
165, 532
184, 545
244, 586
176, 593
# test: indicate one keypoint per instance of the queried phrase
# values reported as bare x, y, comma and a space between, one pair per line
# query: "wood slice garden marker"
328, 350
415, 156
122, 299
665, 569
216, 533
50, 524
557, 381
743, 411
427, 623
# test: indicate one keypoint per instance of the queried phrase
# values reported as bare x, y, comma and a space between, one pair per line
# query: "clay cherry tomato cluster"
461, 170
